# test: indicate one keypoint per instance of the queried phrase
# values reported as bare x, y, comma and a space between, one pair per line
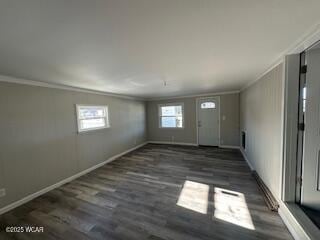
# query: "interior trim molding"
69, 179
173, 143
192, 96
272, 66
191, 144
291, 223
62, 87
246, 158
229, 146
307, 40
298, 224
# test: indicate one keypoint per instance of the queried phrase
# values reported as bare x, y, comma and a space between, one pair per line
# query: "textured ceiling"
132, 47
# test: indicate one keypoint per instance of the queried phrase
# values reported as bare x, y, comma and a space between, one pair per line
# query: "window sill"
180, 128
92, 130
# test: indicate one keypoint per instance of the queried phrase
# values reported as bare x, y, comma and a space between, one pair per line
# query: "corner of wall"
243, 152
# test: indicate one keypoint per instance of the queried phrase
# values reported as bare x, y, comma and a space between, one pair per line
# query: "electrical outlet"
224, 118
2, 192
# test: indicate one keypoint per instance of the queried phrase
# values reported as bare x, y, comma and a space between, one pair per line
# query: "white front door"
208, 121
310, 191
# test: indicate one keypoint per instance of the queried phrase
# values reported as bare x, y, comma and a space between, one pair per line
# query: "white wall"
261, 118
39, 142
229, 121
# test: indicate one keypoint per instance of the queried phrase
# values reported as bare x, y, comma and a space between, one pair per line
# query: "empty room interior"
159, 120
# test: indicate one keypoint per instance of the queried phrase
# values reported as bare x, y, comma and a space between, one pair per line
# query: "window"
171, 116
207, 105
92, 117
304, 99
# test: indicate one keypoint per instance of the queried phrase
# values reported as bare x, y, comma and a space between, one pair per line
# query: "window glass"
171, 116
91, 112
207, 105
169, 122
92, 123
304, 99
92, 117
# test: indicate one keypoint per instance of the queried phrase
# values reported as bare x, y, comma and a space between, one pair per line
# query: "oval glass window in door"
207, 105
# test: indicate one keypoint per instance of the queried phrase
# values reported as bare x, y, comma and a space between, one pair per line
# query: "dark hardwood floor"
156, 192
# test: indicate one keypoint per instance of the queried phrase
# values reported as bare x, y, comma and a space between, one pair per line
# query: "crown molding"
306, 41
192, 96
303, 43
8, 79
275, 63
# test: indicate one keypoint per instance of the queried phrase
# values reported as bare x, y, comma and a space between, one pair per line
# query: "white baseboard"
247, 160
190, 144
292, 224
289, 221
229, 146
173, 143
69, 179
295, 228
297, 222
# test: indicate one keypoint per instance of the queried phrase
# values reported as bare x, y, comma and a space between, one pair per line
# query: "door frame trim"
296, 220
290, 132
290, 122
197, 116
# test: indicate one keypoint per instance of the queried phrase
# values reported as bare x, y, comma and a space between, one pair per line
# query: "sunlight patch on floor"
231, 207
194, 196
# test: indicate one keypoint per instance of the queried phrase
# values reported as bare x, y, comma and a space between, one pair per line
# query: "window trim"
168, 105
107, 119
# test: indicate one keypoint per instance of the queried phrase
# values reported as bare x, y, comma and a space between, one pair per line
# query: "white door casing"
310, 192
208, 121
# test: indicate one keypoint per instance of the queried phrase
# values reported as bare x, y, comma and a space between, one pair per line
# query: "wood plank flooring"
156, 192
